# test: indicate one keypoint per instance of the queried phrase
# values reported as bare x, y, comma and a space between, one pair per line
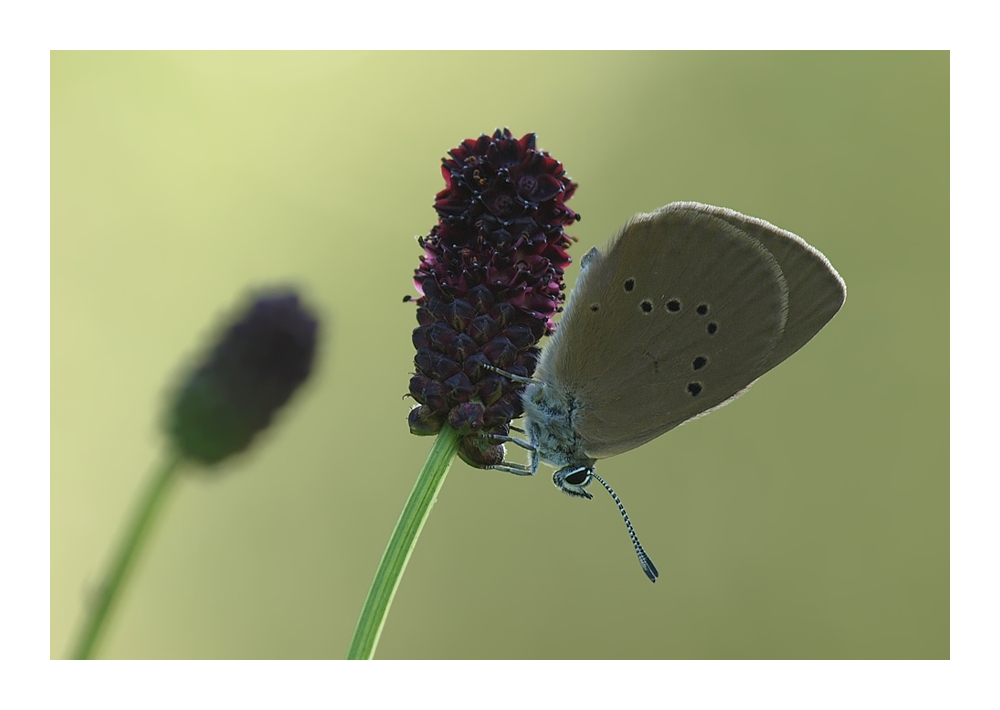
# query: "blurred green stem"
129, 545
404, 538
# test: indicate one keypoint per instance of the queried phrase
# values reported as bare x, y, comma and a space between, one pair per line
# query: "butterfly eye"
578, 478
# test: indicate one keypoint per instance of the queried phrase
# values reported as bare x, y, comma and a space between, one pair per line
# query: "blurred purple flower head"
256, 365
490, 279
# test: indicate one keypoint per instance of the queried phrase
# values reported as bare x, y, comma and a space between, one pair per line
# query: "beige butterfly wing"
683, 312
815, 290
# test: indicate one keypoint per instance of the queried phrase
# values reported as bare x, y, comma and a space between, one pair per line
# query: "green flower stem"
404, 539
130, 543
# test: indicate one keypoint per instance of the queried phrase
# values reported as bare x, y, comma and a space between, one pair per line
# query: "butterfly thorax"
550, 412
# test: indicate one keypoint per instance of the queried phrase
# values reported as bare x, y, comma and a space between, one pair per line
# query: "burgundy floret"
491, 280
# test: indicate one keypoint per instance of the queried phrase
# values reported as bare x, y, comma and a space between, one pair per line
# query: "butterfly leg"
501, 439
510, 375
518, 469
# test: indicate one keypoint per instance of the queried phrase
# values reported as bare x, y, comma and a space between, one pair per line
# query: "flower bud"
256, 365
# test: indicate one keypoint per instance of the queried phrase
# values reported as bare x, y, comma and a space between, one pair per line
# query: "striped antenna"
647, 564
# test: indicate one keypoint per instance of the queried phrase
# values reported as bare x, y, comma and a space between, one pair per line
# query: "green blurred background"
808, 520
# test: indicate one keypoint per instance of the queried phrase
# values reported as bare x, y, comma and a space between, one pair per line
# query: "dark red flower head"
490, 279
253, 369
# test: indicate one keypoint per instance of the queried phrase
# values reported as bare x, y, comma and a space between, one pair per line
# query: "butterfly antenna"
647, 564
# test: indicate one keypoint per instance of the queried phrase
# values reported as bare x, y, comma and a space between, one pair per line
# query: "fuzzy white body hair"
549, 412
549, 407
